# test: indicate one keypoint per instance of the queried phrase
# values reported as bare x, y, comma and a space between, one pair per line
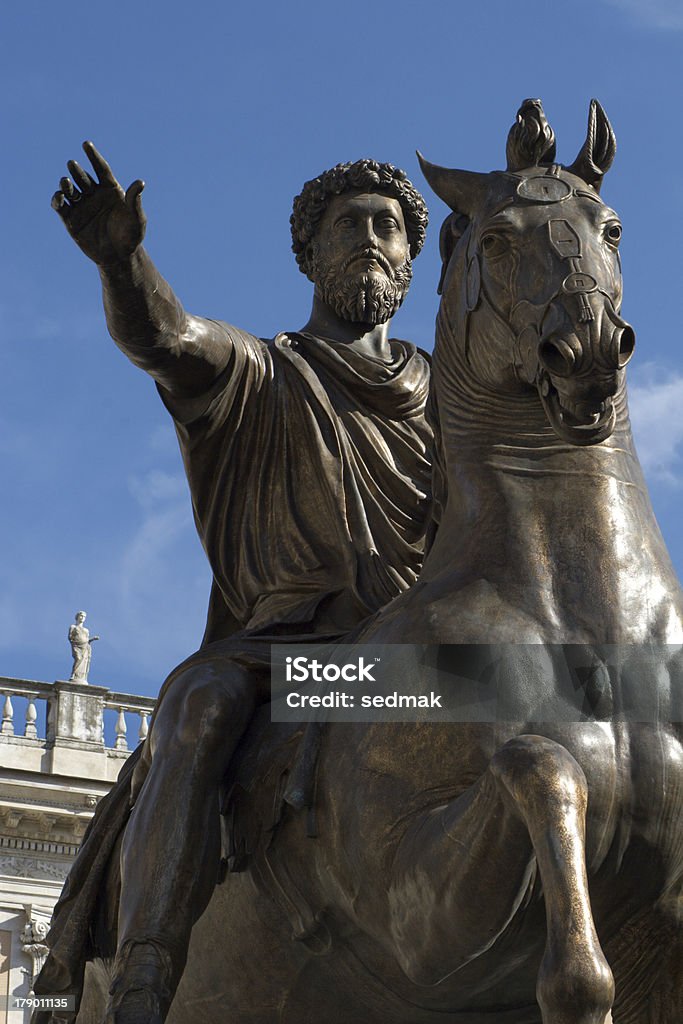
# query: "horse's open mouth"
577, 423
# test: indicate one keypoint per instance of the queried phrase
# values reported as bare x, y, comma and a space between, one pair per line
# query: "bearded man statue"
308, 460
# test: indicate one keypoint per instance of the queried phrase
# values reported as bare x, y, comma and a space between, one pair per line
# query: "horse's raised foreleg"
461, 874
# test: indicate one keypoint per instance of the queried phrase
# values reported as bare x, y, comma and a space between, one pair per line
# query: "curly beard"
366, 298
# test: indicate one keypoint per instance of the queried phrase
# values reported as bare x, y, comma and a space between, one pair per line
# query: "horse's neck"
566, 534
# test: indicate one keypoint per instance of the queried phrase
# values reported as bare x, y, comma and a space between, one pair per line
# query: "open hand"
107, 223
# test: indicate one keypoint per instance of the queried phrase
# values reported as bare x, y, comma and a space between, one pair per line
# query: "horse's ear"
597, 152
451, 232
461, 190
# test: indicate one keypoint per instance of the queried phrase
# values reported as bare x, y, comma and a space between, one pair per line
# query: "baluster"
7, 728
144, 727
120, 730
31, 715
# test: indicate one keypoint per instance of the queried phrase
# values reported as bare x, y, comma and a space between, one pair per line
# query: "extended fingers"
81, 177
100, 165
70, 192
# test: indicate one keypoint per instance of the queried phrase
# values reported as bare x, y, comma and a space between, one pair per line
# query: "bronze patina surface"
517, 871
308, 463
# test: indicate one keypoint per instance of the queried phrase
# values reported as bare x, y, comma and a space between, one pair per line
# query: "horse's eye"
613, 234
492, 245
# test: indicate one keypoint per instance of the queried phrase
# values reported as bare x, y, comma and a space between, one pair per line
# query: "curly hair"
369, 175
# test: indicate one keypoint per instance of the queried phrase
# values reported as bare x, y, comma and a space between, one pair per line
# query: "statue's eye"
493, 245
613, 234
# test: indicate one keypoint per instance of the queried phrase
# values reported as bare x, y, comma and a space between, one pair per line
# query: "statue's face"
361, 257
80, 618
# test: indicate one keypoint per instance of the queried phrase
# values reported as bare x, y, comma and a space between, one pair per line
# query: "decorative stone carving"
33, 941
25, 867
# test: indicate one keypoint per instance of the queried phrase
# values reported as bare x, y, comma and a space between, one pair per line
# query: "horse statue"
519, 870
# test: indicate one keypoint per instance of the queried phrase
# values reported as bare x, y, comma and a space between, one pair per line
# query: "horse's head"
532, 278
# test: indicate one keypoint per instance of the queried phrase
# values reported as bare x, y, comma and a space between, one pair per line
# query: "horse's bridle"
565, 240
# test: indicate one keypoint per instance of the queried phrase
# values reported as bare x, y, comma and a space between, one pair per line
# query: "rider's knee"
204, 707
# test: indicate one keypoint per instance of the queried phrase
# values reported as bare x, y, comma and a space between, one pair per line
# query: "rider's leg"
461, 873
171, 847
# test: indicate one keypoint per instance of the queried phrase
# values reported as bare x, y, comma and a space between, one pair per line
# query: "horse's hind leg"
462, 873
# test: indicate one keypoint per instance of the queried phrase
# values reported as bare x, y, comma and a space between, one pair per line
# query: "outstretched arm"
183, 353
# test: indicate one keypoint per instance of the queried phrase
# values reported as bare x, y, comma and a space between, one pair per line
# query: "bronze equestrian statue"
522, 870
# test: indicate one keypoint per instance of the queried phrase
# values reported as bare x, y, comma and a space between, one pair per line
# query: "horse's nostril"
625, 344
557, 357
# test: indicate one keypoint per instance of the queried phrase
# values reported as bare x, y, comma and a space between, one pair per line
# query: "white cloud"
656, 406
657, 14
163, 441
158, 487
154, 538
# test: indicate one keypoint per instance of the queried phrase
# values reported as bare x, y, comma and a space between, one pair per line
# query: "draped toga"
309, 470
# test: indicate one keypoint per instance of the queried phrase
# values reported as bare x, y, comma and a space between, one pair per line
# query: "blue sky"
225, 110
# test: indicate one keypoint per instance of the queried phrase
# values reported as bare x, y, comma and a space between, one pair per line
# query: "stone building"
55, 765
